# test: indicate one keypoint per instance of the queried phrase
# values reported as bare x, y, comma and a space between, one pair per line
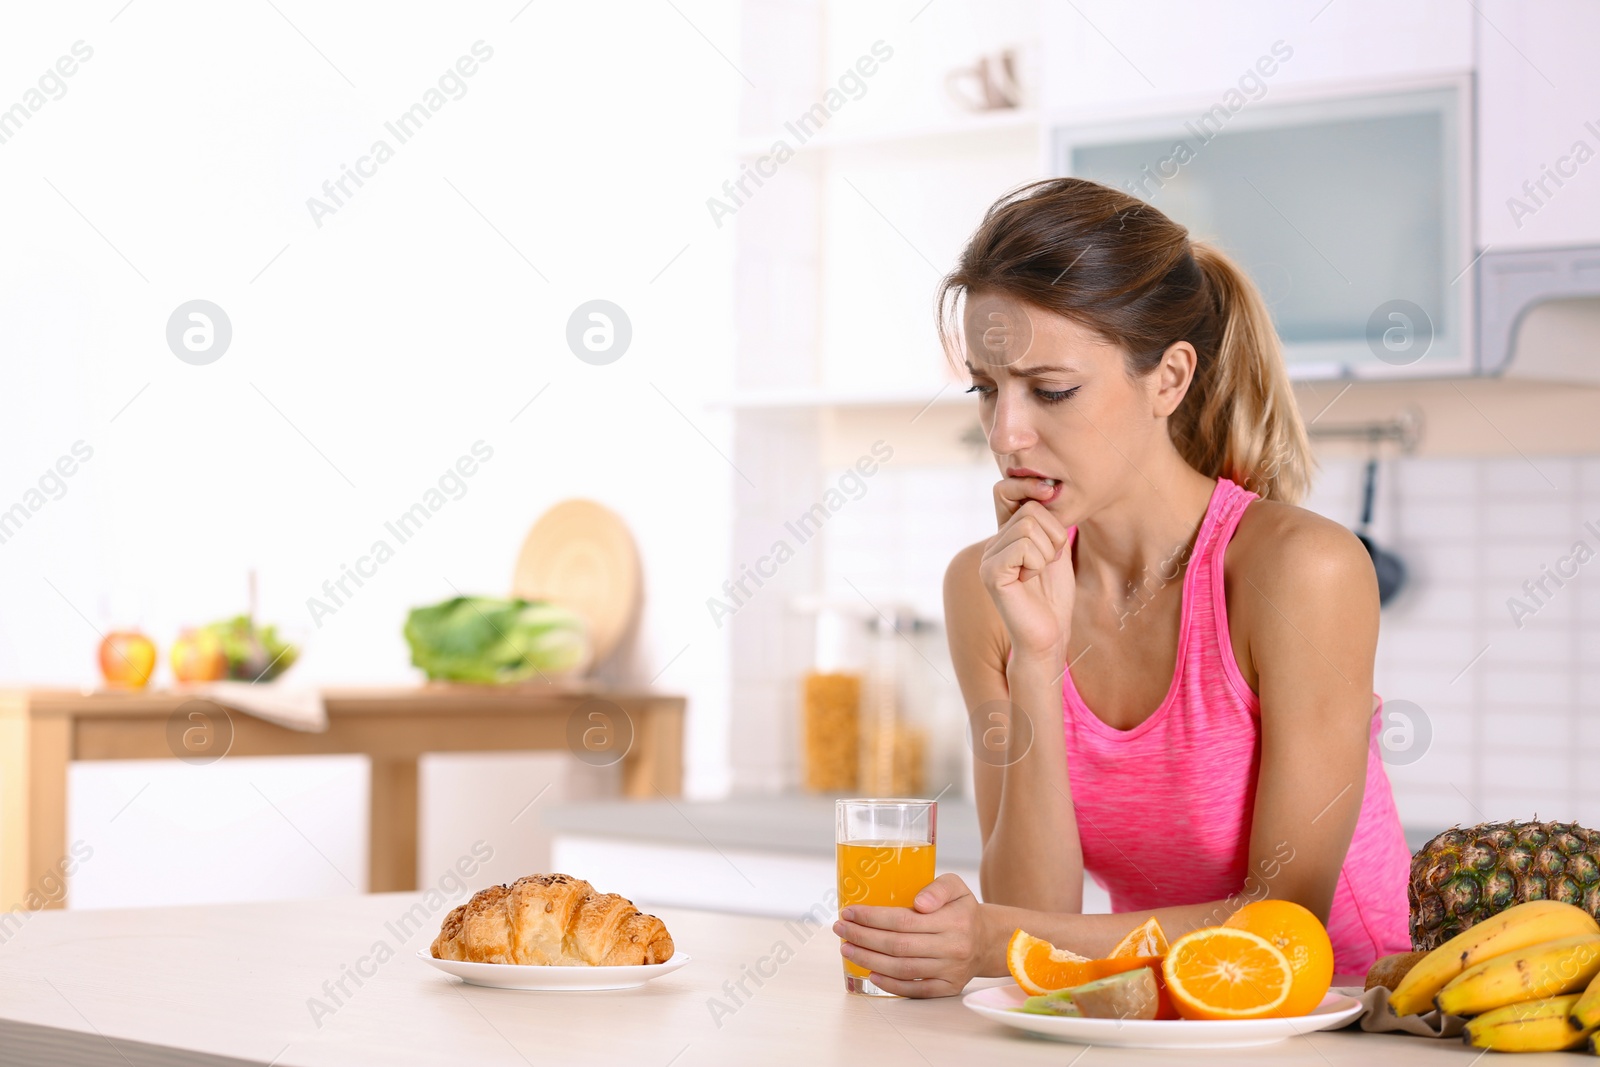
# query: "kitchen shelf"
1005, 121
1511, 285
811, 397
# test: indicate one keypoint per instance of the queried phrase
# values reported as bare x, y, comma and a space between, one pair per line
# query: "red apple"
197, 657
127, 658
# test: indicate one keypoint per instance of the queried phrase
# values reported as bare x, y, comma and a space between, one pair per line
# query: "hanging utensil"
1391, 569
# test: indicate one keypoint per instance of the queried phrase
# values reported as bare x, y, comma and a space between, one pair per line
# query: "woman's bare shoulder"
970, 616
1286, 551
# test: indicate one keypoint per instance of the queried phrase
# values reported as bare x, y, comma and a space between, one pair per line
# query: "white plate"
515, 976
997, 1003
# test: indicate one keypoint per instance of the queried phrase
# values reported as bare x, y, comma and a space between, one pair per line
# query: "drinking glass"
885, 851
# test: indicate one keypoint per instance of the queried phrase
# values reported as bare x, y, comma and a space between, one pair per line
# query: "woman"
1182, 656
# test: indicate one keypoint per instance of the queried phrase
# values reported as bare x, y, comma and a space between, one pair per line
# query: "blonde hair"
1119, 266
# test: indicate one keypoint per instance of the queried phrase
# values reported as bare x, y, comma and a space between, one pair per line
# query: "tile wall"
1499, 721
1513, 710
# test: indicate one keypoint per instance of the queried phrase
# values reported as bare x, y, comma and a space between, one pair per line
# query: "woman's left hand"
931, 949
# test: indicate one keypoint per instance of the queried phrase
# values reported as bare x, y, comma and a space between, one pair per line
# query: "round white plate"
998, 1002
514, 976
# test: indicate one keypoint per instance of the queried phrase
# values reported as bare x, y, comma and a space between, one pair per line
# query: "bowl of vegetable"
253, 653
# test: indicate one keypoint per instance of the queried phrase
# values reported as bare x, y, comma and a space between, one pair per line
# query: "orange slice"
1223, 973
1039, 967
1146, 939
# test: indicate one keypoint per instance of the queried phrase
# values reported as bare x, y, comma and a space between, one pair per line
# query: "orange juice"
882, 874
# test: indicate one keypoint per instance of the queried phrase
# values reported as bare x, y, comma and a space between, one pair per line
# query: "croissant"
551, 920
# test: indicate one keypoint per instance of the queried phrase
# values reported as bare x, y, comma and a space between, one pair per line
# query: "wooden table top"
250, 983
342, 700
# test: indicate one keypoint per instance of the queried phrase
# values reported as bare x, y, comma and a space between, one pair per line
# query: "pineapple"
1463, 876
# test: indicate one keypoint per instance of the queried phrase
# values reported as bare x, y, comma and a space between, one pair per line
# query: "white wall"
369, 353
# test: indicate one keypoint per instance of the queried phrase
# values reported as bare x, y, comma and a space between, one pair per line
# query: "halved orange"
1223, 973
1302, 938
1039, 967
1146, 939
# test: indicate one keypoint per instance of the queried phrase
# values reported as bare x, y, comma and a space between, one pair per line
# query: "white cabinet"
896, 221
1538, 124
1109, 56
919, 48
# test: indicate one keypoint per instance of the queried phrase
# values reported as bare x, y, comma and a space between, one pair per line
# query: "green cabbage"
490, 639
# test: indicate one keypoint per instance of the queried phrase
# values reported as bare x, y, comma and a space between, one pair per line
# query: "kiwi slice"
1129, 995
1057, 1003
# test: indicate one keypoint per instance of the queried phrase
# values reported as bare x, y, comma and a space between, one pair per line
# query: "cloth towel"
1378, 1018
296, 709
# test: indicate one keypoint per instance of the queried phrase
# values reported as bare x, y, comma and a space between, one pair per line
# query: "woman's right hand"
1027, 569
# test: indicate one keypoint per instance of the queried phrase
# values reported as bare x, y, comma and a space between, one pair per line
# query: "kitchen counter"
256, 984
788, 822
755, 855
784, 823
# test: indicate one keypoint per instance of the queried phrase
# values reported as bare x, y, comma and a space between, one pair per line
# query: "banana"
1586, 1013
1531, 1026
1548, 970
1518, 927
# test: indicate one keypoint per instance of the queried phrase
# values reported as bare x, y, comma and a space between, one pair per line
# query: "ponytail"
1239, 419
1119, 266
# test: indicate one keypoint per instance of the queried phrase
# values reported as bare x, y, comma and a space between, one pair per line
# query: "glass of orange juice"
885, 850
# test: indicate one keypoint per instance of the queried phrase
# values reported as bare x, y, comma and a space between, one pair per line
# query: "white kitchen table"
241, 984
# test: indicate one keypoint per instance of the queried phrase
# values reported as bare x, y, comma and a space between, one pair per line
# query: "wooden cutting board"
581, 556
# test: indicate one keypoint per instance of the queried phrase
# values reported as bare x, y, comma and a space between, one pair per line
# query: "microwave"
1353, 214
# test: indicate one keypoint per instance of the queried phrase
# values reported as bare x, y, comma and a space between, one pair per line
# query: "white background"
368, 356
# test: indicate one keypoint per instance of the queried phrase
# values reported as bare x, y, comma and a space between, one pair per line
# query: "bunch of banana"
1543, 1025
1566, 965
1523, 926
1529, 976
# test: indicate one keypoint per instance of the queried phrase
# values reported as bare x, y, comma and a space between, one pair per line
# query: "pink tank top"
1164, 809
